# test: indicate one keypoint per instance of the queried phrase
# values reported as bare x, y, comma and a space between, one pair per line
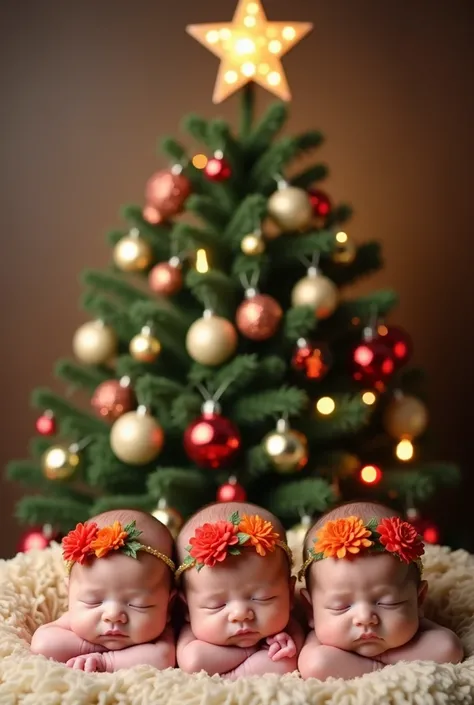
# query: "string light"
325, 406
404, 450
369, 398
200, 161
202, 265
341, 238
370, 474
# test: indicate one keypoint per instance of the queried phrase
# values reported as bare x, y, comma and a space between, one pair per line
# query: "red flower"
210, 542
77, 544
400, 537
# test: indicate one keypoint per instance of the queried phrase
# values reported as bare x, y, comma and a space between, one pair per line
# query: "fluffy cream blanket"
33, 592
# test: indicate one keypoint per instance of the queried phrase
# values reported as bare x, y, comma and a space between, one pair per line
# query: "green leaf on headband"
233, 550
377, 548
316, 556
187, 548
131, 548
199, 566
234, 519
372, 524
243, 538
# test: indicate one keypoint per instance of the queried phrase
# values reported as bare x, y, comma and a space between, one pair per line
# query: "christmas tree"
224, 357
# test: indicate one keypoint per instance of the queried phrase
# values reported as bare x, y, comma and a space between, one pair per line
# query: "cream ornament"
211, 340
95, 343
290, 208
136, 437
286, 448
317, 291
60, 462
405, 417
132, 253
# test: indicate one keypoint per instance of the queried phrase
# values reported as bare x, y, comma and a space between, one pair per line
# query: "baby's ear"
307, 606
422, 592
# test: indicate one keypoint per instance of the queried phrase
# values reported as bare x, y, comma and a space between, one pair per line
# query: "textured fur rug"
33, 592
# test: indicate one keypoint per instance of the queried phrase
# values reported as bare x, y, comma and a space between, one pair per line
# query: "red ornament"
217, 168
37, 538
429, 532
398, 341
372, 362
313, 359
231, 491
212, 441
46, 424
113, 398
321, 203
166, 278
165, 195
259, 316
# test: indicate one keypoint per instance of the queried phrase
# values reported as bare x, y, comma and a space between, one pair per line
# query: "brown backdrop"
87, 87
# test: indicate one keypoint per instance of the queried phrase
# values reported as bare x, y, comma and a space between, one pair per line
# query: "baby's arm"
322, 662
431, 643
194, 655
56, 641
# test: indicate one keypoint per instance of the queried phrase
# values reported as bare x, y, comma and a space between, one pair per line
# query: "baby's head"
120, 578
237, 583
363, 578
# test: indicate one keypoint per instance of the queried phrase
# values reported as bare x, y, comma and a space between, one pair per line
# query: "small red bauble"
166, 278
259, 316
165, 195
113, 398
46, 424
212, 441
37, 538
398, 341
321, 203
372, 362
217, 168
429, 532
231, 491
312, 359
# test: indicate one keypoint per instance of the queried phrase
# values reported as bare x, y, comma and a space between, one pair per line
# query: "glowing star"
250, 49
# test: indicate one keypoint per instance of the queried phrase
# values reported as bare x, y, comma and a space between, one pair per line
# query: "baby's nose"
114, 613
241, 612
365, 616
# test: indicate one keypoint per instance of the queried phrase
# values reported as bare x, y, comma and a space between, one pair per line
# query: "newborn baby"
120, 583
237, 586
365, 591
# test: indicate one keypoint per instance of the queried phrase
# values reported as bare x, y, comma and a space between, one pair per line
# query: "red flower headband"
87, 540
347, 537
212, 543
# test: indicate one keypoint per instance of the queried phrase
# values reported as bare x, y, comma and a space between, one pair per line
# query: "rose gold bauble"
136, 438
286, 448
165, 194
144, 347
211, 340
166, 278
252, 244
132, 254
405, 417
316, 291
113, 398
60, 462
258, 317
95, 343
170, 517
290, 208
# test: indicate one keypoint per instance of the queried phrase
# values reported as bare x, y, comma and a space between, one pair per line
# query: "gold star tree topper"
250, 49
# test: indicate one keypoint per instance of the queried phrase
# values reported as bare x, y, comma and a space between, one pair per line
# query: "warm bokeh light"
202, 265
200, 161
341, 237
325, 406
369, 398
370, 474
404, 450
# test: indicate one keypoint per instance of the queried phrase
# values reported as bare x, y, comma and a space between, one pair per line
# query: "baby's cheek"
327, 630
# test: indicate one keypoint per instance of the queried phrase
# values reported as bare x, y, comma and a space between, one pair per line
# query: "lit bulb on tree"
212, 441
218, 168
313, 359
145, 347
428, 530
286, 448
60, 462
290, 207
370, 474
211, 340
113, 398
259, 316
318, 292
405, 417
95, 343
371, 360
136, 437
345, 250
168, 516
231, 491
132, 253
46, 423
166, 278
165, 194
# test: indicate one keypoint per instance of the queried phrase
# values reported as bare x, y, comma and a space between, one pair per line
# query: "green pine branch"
157, 236
213, 289
236, 375
168, 483
339, 215
127, 366
207, 209
307, 496
64, 513
165, 319
273, 162
419, 483
221, 138
198, 128
310, 176
349, 416
87, 378
112, 284
299, 322
150, 388
26, 473
62, 409
266, 405
258, 462
368, 260
293, 249
104, 309
38, 445
264, 133
191, 237
107, 473
380, 302
244, 268
246, 218
173, 149
185, 409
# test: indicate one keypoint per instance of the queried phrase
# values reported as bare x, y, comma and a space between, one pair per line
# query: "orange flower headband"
347, 537
87, 540
212, 543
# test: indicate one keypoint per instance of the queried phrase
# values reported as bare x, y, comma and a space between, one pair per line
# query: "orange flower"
342, 536
110, 538
260, 533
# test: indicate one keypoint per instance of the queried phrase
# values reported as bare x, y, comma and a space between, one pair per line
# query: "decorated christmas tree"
224, 357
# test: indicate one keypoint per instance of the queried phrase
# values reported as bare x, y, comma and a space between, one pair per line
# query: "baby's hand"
89, 663
281, 646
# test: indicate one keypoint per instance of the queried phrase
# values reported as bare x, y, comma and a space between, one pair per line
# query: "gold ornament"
405, 417
95, 343
132, 253
168, 516
295, 539
136, 437
253, 244
60, 462
250, 49
287, 448
144, 347
345, 252
211, 340
290, 208
317, 291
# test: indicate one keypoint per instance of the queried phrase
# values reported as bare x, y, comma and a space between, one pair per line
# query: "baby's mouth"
114, 633
369, 636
